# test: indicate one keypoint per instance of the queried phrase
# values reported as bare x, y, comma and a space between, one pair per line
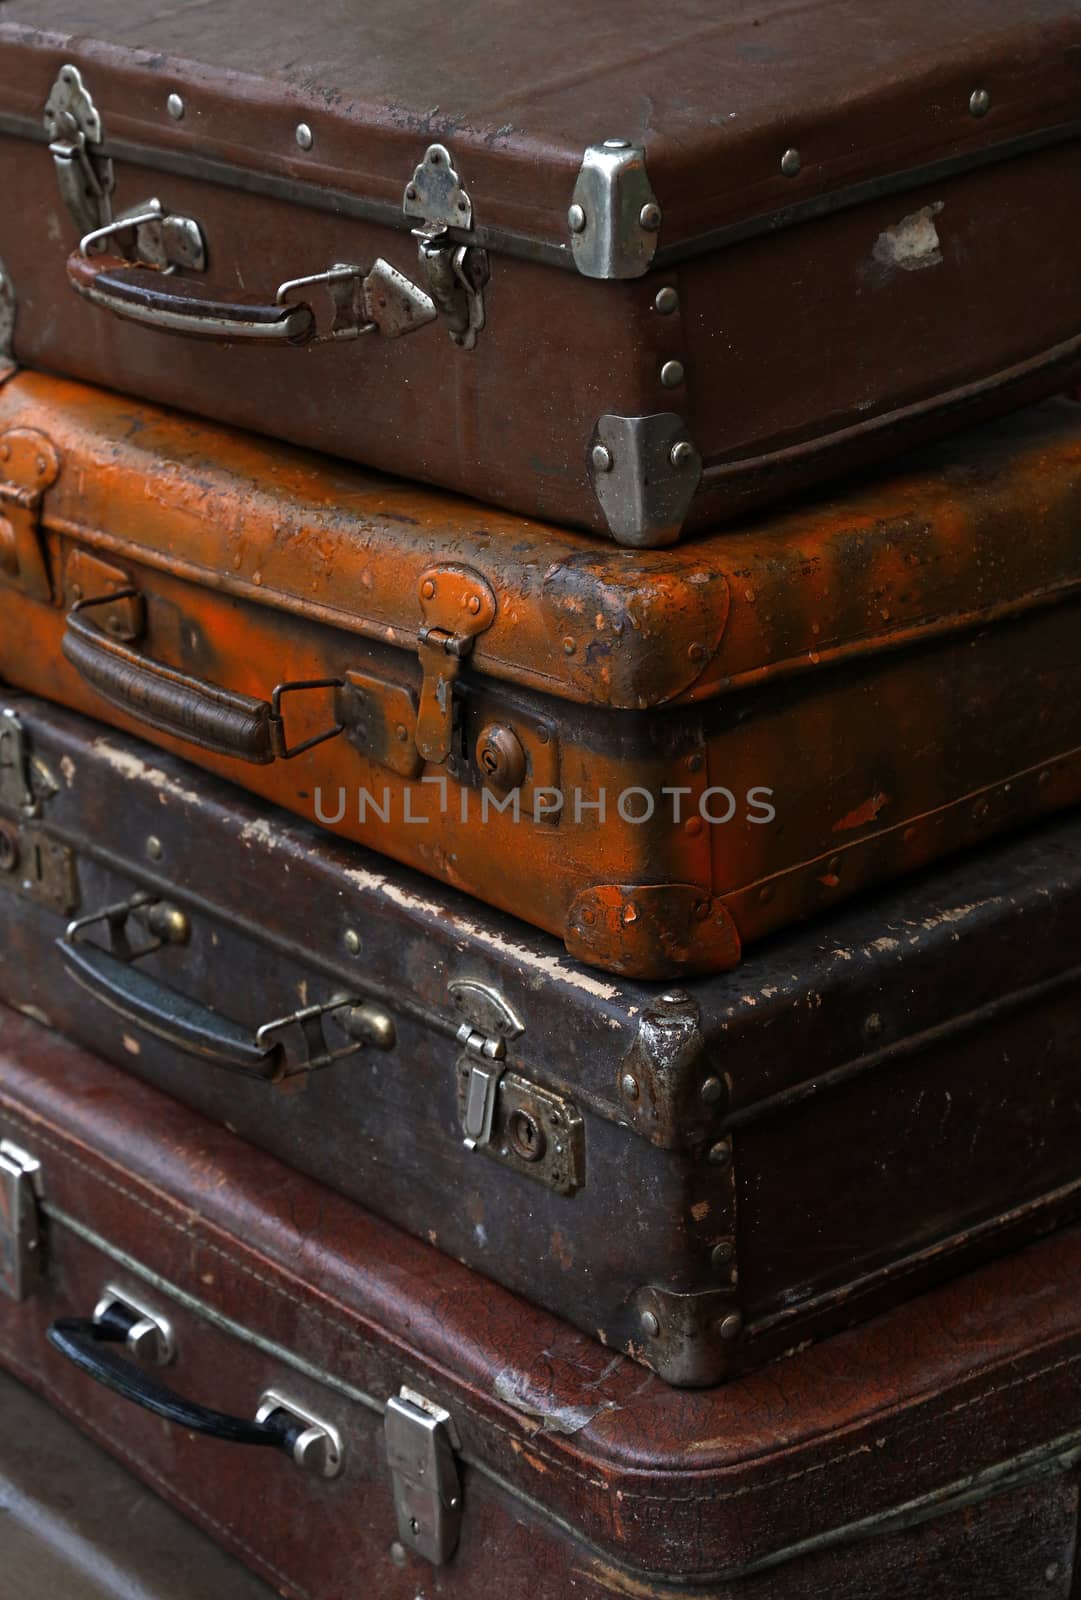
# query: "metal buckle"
281, 744
20, 1221
421, 1444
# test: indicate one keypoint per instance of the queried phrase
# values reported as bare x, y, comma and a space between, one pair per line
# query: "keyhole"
527, 1136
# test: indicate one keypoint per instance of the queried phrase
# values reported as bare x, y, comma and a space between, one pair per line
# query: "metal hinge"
457, 605
421, 1452
456, 273
74, 128
29, 464
21, 1236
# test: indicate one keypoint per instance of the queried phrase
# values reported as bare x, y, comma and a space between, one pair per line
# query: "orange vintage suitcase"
658, 757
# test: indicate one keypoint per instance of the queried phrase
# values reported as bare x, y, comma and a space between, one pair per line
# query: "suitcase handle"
187, 708
112, 977
86, 1342
380, 300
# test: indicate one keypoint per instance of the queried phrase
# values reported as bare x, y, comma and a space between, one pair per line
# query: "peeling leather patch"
913, 245
515, 1390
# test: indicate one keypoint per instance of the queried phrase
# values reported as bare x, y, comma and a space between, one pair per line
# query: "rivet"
791, 163
304, 136
649, 217
434, 157
617, 144
568, 647
629, 1085
672, 374
427, 589
722, 1253
175, 107
720, 1154
397, 1554
474, 603
701, 910
602, 458
979, 102
650, 1324
576, 219
681, 453
696, 652
693, 826
666, 301
411, 191
630, 914
5, 452
872, 1027
401, 732
41, 465
712, 1090
694, 763
673, 997
352, 941
765, 894
731, 1326
589, 917
154, 848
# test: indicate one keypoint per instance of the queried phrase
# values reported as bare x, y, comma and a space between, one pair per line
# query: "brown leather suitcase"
658, 758
425, 1433
704, 1178
76, 1523
630, 273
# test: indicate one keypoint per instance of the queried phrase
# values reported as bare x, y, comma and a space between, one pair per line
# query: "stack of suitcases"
540, 878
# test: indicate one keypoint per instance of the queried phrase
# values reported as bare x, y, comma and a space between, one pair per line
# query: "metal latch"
489, 1023
457, 605
457, 273
73, 126
20, 1221
17, 791
421, 1443
29, 465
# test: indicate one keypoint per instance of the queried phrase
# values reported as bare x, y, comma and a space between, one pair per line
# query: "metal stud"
720, 1154
681, 453
672, 374
722, 1253
650, 217
731, 1326
175, 107
602, 458
576, 219
617, 144
650, 1324
304, 136
979, 102
666, 301
712, 1091
629, 1085
352, 941
154, 848
791, 163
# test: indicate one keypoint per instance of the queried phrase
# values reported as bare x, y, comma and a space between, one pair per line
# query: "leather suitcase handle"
85, 1341
193, 1029
183, 305
199, 713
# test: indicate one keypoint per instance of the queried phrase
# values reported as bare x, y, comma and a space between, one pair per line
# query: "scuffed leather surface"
688, 1483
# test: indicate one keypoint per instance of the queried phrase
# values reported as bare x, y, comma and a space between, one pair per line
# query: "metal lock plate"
421, 1444
21, 1236
38, 868
537, 1132
29, 465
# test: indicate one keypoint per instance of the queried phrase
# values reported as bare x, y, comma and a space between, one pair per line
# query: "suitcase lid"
937, 546
732, 122
698, 1484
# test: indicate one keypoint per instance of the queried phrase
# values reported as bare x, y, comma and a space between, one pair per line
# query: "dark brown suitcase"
659, 758
75, 1523
687, 263
703, 1178
425, 1433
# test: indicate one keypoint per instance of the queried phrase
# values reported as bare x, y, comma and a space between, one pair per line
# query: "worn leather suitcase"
425, 1433
658, 758
76, 1523
703, 1178
630, 276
